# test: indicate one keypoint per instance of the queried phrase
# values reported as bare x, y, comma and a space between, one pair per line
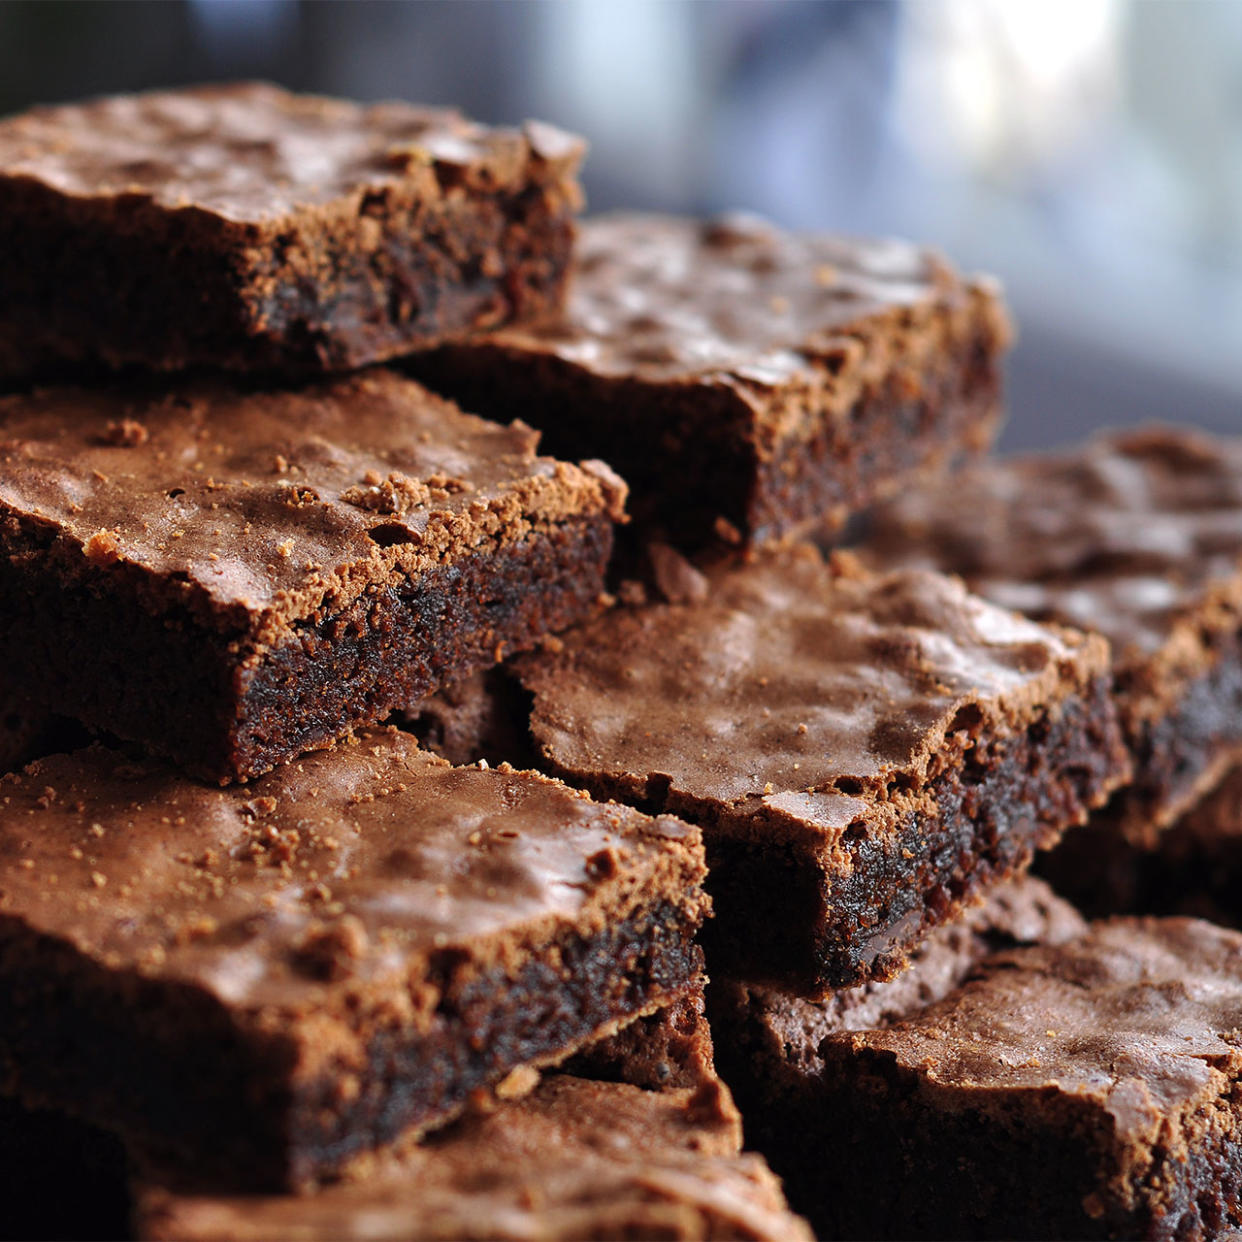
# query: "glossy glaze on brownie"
234, 577
768, 1040
1136, 536
865, 755
747, 383
278, 978
574, 1159
1086, 1090
244, 227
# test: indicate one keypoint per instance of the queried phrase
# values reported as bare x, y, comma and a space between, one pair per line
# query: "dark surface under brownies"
243, 227
866, 755
747, 383
1136, 536
261, 984
232, 578
1085, 1090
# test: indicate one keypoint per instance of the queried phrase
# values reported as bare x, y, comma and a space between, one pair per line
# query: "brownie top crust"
734, 300
1138, 1018
254, 155
1129, 535
574, 1159
806, 690
281, 503
352, 866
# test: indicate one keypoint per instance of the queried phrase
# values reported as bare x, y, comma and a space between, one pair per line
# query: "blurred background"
1087, 151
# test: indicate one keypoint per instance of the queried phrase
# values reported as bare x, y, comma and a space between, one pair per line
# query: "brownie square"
574, 1159
265, 983
768, 1039
233, 577
747, 383
1136, 536
1084, 1090
241, 226
865, 754
1194, 866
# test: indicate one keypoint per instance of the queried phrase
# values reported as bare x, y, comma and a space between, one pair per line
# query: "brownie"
671, 1047
748, 383
1193, 867
575, 1159
1083, 1090
278, 978
241, 226
1136, 536
768, 1040
232, 577
866, 754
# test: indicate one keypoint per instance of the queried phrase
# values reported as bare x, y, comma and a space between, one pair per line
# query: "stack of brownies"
381, 774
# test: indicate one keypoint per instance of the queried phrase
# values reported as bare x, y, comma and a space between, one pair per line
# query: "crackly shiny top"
575, 1159
252, 153
348, 867
1126, 535
1022, 911
281, 503
796, 688
736, 298
1139, 1018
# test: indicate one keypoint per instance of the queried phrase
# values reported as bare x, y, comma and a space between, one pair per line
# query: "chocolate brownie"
747, 383
574, 1159
232, 578
865, 754
268, 981
671, 1047
1137, 536
1084, 1090
1193, 867
244, 227
768, 1040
